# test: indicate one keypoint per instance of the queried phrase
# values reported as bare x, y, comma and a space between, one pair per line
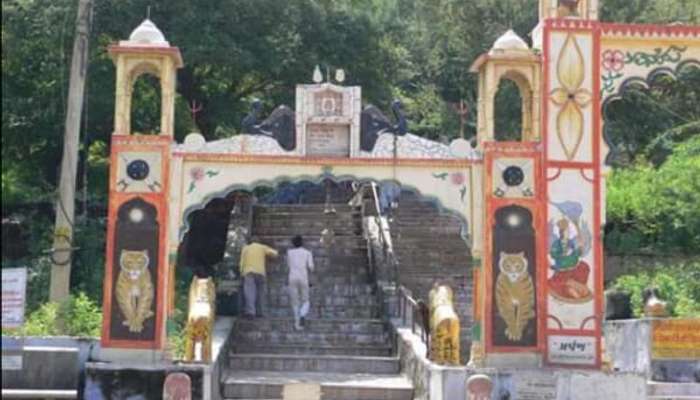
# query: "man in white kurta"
300, 262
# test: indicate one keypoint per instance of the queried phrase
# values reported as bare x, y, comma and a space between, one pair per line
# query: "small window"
508, 112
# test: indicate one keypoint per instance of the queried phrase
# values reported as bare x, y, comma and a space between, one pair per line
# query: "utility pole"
62, 250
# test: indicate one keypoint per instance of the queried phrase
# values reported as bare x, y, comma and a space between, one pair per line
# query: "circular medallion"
137, 170
513, 176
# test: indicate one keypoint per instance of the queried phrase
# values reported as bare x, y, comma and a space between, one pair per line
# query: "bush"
77, 316
656, 209
678, 285
178, 320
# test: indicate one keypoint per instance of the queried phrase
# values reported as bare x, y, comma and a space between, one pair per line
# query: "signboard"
675, 339
328, 140
572, 350
14, 285
541, 386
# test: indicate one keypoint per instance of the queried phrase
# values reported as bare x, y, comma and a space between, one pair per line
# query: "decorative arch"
525, 90
521, 67
132, 63
635, 81
141, 71
183, 222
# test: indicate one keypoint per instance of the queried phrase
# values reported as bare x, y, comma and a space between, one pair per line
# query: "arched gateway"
532, 210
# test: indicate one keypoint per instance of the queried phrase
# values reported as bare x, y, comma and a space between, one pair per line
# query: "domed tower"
539, 284
136, 262
512, 196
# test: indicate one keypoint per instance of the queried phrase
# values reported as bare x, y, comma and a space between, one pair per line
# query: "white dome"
147, 33
509, 41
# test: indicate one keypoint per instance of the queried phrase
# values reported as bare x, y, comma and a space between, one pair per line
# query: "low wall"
562, 384
434, 382
430, 381
629, 345
116, 381
49, 362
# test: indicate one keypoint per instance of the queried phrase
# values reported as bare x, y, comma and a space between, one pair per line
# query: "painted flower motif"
457, 178
570, 97
197, 174
613, 60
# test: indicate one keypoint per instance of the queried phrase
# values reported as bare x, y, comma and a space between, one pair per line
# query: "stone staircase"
429, 247
346, 347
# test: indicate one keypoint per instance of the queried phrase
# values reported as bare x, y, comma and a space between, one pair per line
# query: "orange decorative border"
629, 30
537, 206
306, 160
122, 143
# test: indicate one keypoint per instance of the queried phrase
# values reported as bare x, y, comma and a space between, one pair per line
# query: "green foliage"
678, 285
83, 317
177, 322
77, 316
42, 322
87, 274
647, 123
657, 208
234, 50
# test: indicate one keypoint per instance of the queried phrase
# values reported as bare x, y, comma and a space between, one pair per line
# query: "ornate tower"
136, 274
506, 311
539, 286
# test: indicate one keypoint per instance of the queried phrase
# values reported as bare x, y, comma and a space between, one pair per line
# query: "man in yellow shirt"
253, 272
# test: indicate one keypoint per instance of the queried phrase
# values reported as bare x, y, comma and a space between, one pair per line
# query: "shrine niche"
514, 258
136, 247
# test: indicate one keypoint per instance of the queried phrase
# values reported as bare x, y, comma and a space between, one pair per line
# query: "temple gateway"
492, 246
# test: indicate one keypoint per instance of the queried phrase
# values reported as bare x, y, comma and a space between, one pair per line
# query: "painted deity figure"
569, 283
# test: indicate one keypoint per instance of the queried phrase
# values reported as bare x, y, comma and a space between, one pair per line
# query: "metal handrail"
406, 302
384, 229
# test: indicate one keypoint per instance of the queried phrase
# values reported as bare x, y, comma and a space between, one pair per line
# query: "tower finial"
148, 12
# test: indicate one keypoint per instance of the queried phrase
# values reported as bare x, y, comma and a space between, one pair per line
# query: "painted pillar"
573, 269
137, 268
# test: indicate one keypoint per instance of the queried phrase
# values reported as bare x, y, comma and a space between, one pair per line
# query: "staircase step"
306, 336
269, 385
280, 280
362, 312
304, 208
313, 325
314, 363
277, 286
383, 350
312, 242
321, 300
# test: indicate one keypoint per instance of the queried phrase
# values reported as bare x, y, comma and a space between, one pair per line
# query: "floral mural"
455, 178
613, 62
198, 174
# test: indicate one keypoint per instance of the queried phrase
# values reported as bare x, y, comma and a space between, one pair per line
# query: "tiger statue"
200, 318
515, 294
134, 289
444, 326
